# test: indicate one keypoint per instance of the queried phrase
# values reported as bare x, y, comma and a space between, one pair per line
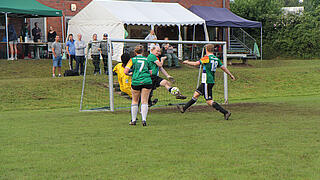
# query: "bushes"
293, 35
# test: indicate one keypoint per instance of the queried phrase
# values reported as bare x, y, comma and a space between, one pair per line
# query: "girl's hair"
125, 57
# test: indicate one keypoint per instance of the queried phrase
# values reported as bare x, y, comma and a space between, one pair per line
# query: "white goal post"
110, 75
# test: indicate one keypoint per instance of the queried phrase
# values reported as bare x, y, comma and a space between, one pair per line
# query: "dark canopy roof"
29, 8
222, 17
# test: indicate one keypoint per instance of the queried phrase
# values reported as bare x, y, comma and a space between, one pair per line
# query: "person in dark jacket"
12, 41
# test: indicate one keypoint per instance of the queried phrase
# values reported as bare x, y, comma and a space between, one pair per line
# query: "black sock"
219, 108
170, 89
189, 103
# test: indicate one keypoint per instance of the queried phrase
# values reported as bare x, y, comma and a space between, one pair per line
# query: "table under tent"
113, 17
240, 43
26, 9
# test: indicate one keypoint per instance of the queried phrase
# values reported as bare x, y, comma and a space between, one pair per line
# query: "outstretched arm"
192, 63
228, 72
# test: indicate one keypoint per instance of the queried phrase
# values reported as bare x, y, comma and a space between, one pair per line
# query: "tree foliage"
291, 35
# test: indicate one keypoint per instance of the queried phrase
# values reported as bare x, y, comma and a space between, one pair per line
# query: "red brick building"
72, 7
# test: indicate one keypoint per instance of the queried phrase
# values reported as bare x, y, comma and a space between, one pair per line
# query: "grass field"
273, 133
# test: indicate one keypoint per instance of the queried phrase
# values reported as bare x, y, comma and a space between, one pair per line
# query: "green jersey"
141, 74
154, 67
210, 64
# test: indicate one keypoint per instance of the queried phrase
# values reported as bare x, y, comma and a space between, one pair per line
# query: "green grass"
273, 132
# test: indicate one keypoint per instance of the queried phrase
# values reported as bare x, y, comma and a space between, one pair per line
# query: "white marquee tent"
103, 16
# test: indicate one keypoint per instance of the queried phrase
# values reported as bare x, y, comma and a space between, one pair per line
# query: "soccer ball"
174, 91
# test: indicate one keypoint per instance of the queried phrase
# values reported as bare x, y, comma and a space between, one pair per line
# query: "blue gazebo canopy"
222, 17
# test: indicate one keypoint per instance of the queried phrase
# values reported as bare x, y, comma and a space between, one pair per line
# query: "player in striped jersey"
210, 64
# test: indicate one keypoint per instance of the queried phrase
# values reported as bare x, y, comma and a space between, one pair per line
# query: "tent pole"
261, 43
6, 14
205, 32
193, 39
180, 45
62, 30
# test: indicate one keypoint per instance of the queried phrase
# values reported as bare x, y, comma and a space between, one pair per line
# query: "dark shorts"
156, 80
206, 90
138, 88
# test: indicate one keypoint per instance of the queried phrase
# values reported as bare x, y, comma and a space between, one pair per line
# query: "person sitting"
168, 52
123, 79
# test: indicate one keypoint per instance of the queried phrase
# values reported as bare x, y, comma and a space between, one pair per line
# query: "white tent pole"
205, 32
180, 45
7, 35
225, 77
193, 39
261, 43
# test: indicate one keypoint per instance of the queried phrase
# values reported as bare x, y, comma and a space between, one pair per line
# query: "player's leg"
165, 83
193, 100
210, 102
134, 105
144, 104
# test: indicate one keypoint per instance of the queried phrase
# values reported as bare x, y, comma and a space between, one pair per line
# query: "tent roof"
222, 17
149, 13
29, 8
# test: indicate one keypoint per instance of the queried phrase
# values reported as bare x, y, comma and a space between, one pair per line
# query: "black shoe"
144, 123
132, 123
180, 107
180, 96
152, 103
227, 115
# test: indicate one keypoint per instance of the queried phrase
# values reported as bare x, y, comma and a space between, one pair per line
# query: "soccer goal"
100, 92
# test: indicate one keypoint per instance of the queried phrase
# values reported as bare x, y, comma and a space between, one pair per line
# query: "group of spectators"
76, 52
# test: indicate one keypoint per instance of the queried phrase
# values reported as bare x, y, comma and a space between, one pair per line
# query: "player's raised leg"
219, 108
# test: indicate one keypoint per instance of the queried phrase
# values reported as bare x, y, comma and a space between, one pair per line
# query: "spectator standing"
25, 34
95, 50
57, 56
104, 52
71, 50
36, 33
151, 36
51, 34
12, 41
168, 51
80, 54
51, 37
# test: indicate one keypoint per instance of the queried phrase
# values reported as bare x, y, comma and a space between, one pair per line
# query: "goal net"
101, 92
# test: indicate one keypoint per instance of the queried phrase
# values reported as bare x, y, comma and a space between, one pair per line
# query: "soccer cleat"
180, 96
53, 75
152, 103
227, 115
144, 123
59, 75
132, 123
180, 107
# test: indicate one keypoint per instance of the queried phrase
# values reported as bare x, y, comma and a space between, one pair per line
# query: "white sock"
144, 111
134, 112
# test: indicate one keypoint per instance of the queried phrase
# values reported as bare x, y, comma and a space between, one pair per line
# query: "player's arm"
228, 72
192, 63
160, 63
164, 72
127, 68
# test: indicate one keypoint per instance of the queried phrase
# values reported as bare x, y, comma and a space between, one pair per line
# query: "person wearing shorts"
12, 42
141, 84
57, 56
210, 64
